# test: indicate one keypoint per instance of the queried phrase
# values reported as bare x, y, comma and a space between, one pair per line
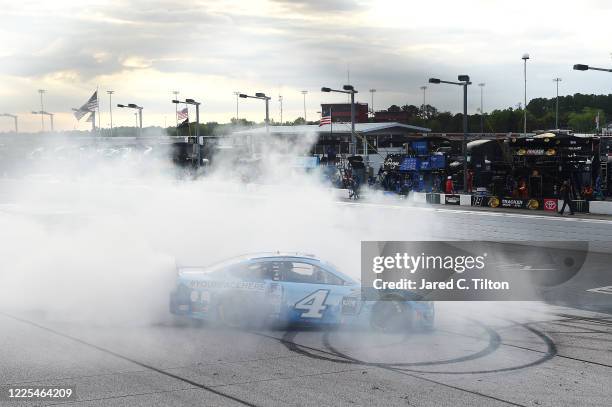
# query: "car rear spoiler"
181, 268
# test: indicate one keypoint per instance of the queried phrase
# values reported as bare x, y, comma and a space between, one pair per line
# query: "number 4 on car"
313, 304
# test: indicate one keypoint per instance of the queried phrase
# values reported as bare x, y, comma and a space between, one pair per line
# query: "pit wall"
549, 205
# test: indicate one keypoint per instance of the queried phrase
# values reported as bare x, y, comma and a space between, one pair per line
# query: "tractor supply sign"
519, 203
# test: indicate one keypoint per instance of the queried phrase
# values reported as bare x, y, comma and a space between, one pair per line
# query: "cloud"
322, 6
285, 46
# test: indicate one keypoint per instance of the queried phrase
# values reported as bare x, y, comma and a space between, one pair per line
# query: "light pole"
372, 91
139, 108
424, 89
42, 113
582, 67
349, 90
176, 93
110, 107
280, 99
14, 118
305, 92
261, 96
464, 81
481, 85
525, 57
237, 93
266, 99
42, 108
557, 80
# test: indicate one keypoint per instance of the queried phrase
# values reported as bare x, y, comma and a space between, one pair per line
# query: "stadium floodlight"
350, 90
582, 67
465, 81
525, 57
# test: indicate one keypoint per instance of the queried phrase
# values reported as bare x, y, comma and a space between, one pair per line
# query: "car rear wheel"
391, 316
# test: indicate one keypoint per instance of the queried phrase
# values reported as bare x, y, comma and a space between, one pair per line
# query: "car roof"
268, 255
280, 256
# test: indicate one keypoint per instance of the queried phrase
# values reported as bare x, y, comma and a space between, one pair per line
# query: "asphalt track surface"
500, 354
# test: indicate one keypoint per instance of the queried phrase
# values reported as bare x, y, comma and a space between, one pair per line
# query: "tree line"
577, 112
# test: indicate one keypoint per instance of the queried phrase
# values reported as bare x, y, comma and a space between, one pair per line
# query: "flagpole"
99, 116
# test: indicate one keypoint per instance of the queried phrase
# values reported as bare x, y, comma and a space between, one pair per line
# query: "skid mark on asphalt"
126, 358
602, 290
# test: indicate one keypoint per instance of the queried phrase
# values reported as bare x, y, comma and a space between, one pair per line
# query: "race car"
288, 289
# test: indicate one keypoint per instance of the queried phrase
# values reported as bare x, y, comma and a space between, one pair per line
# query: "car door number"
313, 304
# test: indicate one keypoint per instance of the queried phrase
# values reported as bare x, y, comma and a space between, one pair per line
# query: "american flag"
182, 114
325, 120
89, 106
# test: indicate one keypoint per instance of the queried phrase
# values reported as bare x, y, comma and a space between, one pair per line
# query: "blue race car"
288, 289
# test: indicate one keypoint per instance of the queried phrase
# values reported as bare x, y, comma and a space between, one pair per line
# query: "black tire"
391, 316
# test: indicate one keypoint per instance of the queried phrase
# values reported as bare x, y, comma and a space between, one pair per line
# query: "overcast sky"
143, 50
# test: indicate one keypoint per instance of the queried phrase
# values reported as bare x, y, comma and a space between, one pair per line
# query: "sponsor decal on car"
241, 285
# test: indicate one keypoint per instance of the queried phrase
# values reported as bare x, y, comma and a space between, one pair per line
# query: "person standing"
587, 193
567, 198
450, 189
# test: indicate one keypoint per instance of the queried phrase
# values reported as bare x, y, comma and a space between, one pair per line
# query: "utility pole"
280, 99
557, 80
